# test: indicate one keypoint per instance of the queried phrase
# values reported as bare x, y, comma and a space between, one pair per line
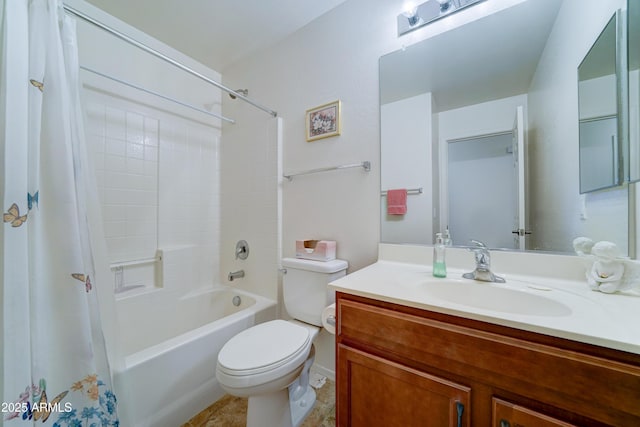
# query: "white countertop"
607, 320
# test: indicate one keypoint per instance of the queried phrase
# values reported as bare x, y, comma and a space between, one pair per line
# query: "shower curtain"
54, 364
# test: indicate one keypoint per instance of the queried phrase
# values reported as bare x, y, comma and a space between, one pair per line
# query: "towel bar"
409, 191
366, 165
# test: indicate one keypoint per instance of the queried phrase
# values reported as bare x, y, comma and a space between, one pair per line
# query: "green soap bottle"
439, 265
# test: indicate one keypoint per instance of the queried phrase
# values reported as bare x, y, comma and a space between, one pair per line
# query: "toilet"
269, 362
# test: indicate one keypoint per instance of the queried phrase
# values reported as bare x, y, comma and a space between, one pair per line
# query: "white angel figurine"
607, 270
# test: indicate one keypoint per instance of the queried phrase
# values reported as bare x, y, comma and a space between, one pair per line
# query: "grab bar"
366, 165
120, 264
409, 191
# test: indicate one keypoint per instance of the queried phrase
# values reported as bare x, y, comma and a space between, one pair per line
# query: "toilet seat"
263, 353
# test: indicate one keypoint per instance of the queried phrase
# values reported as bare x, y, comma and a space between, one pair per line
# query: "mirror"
601, 164
481, 122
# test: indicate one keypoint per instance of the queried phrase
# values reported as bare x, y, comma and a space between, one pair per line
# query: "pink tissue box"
318, 250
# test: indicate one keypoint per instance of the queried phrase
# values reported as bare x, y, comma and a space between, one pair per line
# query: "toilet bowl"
269, 363
265, 357
261, 363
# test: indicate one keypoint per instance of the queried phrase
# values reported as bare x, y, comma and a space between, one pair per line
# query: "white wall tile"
150, 153
114, 163
135, 127
115, 123
135, 165
135, 150
151, 131
160, 187
115, 147
113, 229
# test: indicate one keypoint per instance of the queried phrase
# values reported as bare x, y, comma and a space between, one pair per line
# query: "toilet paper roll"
329, 318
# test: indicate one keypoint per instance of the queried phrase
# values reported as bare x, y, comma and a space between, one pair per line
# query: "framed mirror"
480, 124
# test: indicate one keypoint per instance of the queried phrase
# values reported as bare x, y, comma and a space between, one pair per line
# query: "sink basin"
495, 297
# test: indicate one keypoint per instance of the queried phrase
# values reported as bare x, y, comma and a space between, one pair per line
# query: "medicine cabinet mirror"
633, 60
602, 144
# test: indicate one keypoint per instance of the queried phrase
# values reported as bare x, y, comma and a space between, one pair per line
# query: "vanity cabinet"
404, 366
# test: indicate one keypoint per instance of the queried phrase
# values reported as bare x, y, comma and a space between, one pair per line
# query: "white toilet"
269, 363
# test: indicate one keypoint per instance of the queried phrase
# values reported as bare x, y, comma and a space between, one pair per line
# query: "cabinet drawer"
506, 414
408, 336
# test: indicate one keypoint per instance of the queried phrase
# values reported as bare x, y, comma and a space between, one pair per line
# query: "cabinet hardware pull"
460, 409
504, 423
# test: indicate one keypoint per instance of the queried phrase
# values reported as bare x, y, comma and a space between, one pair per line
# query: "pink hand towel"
397, 201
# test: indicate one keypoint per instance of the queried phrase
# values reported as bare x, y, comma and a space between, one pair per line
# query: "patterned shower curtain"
54, 364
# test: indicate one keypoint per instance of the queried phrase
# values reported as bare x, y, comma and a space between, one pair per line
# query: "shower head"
244, 92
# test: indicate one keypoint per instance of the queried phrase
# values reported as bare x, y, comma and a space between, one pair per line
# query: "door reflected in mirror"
467, 83
488, 161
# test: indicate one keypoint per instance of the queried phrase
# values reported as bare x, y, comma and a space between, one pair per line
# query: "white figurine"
607, 270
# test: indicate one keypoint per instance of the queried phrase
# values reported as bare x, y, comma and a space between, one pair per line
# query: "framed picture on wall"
323, 121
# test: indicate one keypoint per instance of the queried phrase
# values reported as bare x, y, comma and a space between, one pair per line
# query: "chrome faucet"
483, 265
236, 275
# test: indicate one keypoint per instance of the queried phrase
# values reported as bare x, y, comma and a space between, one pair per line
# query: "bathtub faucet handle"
242, 249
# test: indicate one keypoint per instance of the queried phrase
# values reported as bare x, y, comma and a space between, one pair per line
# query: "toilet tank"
304, 287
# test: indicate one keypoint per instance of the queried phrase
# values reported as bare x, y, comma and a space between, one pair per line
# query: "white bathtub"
171, 350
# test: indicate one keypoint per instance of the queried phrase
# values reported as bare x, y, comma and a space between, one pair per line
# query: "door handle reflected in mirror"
520, 232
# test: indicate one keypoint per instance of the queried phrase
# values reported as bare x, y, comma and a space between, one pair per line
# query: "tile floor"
231, 411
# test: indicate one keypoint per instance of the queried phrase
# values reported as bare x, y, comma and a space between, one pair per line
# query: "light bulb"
411, 13
444, 5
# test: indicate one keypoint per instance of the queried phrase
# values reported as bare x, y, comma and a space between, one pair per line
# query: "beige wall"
333, 57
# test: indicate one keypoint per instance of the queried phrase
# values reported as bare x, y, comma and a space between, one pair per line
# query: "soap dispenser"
439, 266
446, 239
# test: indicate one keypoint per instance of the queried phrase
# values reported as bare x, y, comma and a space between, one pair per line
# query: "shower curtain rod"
165, 58
135, 86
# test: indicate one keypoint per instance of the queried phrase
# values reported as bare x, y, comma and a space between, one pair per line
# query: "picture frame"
323, 121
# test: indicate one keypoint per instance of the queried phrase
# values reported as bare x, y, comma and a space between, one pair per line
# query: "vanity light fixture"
412, 16
417, 16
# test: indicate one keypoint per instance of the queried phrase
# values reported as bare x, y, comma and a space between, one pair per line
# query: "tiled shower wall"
126, 145
158, 182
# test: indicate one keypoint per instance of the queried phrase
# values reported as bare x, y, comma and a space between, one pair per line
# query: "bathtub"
170, 347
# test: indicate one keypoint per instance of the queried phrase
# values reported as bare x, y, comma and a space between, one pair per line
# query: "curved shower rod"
165, 58
159, 95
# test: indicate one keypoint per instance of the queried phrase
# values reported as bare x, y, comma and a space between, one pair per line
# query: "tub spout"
236, 275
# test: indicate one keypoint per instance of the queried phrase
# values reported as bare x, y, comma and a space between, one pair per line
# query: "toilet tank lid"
332, 266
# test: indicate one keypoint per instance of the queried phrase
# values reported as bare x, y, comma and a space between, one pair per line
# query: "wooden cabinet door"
373, 391
506, 414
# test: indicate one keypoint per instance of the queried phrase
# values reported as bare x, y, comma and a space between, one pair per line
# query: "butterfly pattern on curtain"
90, 386
13, 213
55, 369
